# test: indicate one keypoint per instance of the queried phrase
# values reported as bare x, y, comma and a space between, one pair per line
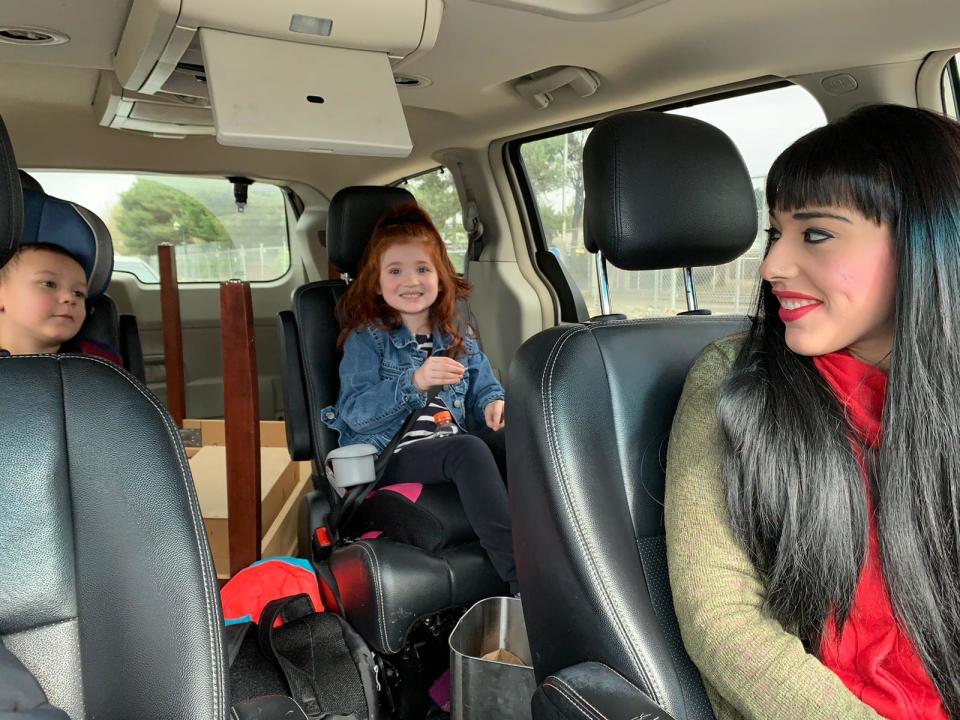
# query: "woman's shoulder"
716, 359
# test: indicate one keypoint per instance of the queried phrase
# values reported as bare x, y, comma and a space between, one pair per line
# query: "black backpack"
315, 658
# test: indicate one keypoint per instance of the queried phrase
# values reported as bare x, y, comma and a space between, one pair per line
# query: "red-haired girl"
401, 339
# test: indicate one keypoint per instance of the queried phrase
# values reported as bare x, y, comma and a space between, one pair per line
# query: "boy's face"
42, 296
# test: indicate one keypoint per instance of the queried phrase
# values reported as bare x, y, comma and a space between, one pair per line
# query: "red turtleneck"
873, 656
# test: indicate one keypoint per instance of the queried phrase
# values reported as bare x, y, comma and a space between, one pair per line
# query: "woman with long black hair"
813, 477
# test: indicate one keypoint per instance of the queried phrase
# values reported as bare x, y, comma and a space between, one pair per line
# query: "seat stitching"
546, 391
381, 614
573, 702
214, 639
580, 697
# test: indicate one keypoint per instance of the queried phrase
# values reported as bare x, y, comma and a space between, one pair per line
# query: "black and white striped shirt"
425, 426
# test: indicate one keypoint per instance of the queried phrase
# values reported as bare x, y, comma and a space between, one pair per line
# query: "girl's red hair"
363, 305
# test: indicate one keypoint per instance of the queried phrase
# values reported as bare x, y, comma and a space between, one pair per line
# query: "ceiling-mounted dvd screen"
283, 95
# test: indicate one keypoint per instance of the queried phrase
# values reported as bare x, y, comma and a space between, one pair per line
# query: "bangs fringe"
833, 166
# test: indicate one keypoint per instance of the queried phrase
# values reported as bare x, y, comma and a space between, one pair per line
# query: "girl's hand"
437, 370
493, 414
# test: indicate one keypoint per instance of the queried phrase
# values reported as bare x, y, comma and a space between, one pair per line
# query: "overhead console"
307, 75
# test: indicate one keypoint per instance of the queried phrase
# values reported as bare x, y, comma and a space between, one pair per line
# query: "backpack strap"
302, 684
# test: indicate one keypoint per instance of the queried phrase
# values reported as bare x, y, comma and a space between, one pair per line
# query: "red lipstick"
789, 316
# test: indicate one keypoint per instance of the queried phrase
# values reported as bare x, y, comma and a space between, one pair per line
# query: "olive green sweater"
751, 667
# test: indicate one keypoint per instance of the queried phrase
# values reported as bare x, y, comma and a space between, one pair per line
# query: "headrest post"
690, 289
602, 285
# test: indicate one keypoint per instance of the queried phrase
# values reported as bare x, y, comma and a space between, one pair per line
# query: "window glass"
213, 241
761, 124
436, 193
950, 87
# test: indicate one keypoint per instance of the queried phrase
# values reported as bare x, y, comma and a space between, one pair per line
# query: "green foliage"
264, 220
151, 212
436, 193
554, 169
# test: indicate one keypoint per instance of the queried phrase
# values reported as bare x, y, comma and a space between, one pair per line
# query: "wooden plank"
241, 415
172, 333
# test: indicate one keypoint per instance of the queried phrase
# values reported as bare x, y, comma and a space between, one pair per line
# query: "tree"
149, 213
264, 220
436, 193
554, 169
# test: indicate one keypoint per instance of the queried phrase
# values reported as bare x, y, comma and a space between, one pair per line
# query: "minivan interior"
596, 171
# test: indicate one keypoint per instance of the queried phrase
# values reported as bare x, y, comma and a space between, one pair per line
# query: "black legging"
469, 462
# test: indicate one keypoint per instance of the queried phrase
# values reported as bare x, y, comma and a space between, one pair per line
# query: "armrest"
268, 707
591, 691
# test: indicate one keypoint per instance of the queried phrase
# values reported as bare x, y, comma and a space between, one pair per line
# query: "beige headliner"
676, 48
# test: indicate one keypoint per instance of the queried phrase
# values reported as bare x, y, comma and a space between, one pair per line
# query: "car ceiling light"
25, 35
311, 25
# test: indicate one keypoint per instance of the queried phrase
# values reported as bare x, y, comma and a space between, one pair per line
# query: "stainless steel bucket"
485, 689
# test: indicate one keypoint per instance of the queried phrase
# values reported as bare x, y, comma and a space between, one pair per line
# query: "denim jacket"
377, 393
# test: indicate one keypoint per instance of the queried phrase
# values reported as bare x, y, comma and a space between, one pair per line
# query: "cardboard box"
282, 484
273, 433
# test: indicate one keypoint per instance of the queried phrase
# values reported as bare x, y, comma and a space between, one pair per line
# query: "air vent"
411, 80
22, 35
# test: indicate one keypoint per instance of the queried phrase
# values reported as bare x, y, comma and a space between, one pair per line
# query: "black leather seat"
109, 591
413, 551
590, 411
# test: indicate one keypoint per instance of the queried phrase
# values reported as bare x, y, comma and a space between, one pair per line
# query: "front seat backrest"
108, 593
591, 407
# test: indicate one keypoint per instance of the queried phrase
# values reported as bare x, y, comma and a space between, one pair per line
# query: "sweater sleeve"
759, 670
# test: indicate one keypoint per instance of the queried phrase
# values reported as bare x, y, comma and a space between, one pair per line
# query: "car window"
213, 240
436, 193
950, 87
761, 124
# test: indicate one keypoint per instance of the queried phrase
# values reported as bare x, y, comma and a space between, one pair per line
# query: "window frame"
512, 149
520, 181
399, 183
286, 195
951, 74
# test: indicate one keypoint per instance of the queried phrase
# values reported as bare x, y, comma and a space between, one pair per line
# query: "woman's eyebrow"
820, 214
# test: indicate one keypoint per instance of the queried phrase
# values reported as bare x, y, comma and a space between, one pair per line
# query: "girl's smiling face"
834, 272
408, 282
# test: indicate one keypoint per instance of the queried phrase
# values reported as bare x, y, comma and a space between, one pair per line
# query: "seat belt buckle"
322, 537
323, 542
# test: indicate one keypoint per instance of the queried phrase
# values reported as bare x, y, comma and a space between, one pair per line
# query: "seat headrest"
354, 212
74, 228
11, 199
665, 191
